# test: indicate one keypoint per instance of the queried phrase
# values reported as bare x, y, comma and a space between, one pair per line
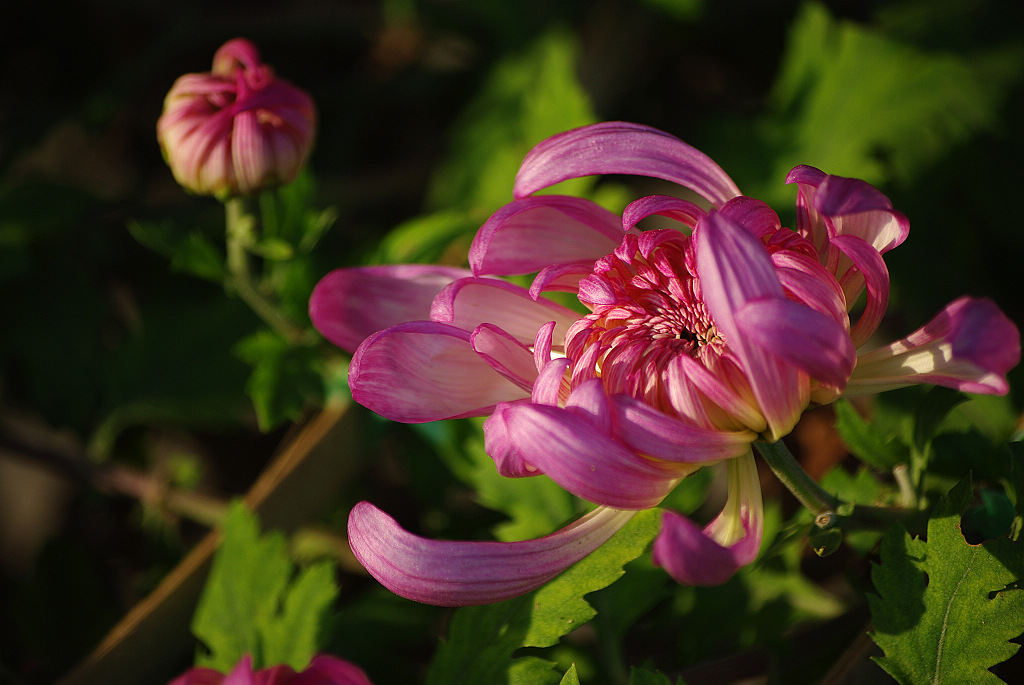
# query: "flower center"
647, 309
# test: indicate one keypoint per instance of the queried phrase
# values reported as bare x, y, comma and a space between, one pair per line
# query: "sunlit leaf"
946, 610
252, 605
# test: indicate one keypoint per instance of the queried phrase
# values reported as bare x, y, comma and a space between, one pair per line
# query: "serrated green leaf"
570, 677
559, 607
481, 640
248, 575
294, 636
957, 625
882, 452
251, 604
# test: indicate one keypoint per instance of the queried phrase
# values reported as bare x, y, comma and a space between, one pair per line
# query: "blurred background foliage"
119, 344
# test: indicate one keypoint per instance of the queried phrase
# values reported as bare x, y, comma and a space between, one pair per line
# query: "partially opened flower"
322, 670
698, 342
235, 130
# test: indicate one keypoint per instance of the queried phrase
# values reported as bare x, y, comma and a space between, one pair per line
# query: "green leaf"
294, 636
284, 377
857, 103
933, 410
534, 506
248, 576
427, 238
481, 640
189, 252
527, 98
883, 452
946, 610
570, 677
251, 605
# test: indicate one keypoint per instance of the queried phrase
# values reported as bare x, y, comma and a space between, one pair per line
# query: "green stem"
790, 473
819, 501
240, 226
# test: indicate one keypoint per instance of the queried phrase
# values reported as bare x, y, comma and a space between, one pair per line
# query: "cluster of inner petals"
646, 309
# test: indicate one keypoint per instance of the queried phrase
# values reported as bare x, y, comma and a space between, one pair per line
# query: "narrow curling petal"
425, 371
617, 147
682, 211
349, 305
711, 556
464, 573
871, 273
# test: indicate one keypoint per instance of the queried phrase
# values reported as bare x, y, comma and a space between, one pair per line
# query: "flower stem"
790, 473
240, 224
830, 510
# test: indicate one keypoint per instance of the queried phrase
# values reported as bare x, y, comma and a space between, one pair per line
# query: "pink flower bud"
235, 130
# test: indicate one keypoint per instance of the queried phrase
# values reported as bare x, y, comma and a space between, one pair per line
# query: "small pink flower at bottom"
322, 670
235, 130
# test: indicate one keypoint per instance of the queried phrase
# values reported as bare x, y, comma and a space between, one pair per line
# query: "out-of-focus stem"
240, 224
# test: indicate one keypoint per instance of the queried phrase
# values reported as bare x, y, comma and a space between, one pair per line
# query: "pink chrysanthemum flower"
235, 130
699, 342
322, 670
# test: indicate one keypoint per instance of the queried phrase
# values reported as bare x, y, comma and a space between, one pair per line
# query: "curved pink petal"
550, 386
870, 271
425, 371
650, 432
570, 451
531, 233
806, 280
617, 147
561, 278
349, 305
735, 269
682, 211
803, 337
542, 345
753, 215
859, 209
828, 206
500, 446
463, 573
711, 556
505, 354
970, 345
684, 369
328, 670
469, 302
